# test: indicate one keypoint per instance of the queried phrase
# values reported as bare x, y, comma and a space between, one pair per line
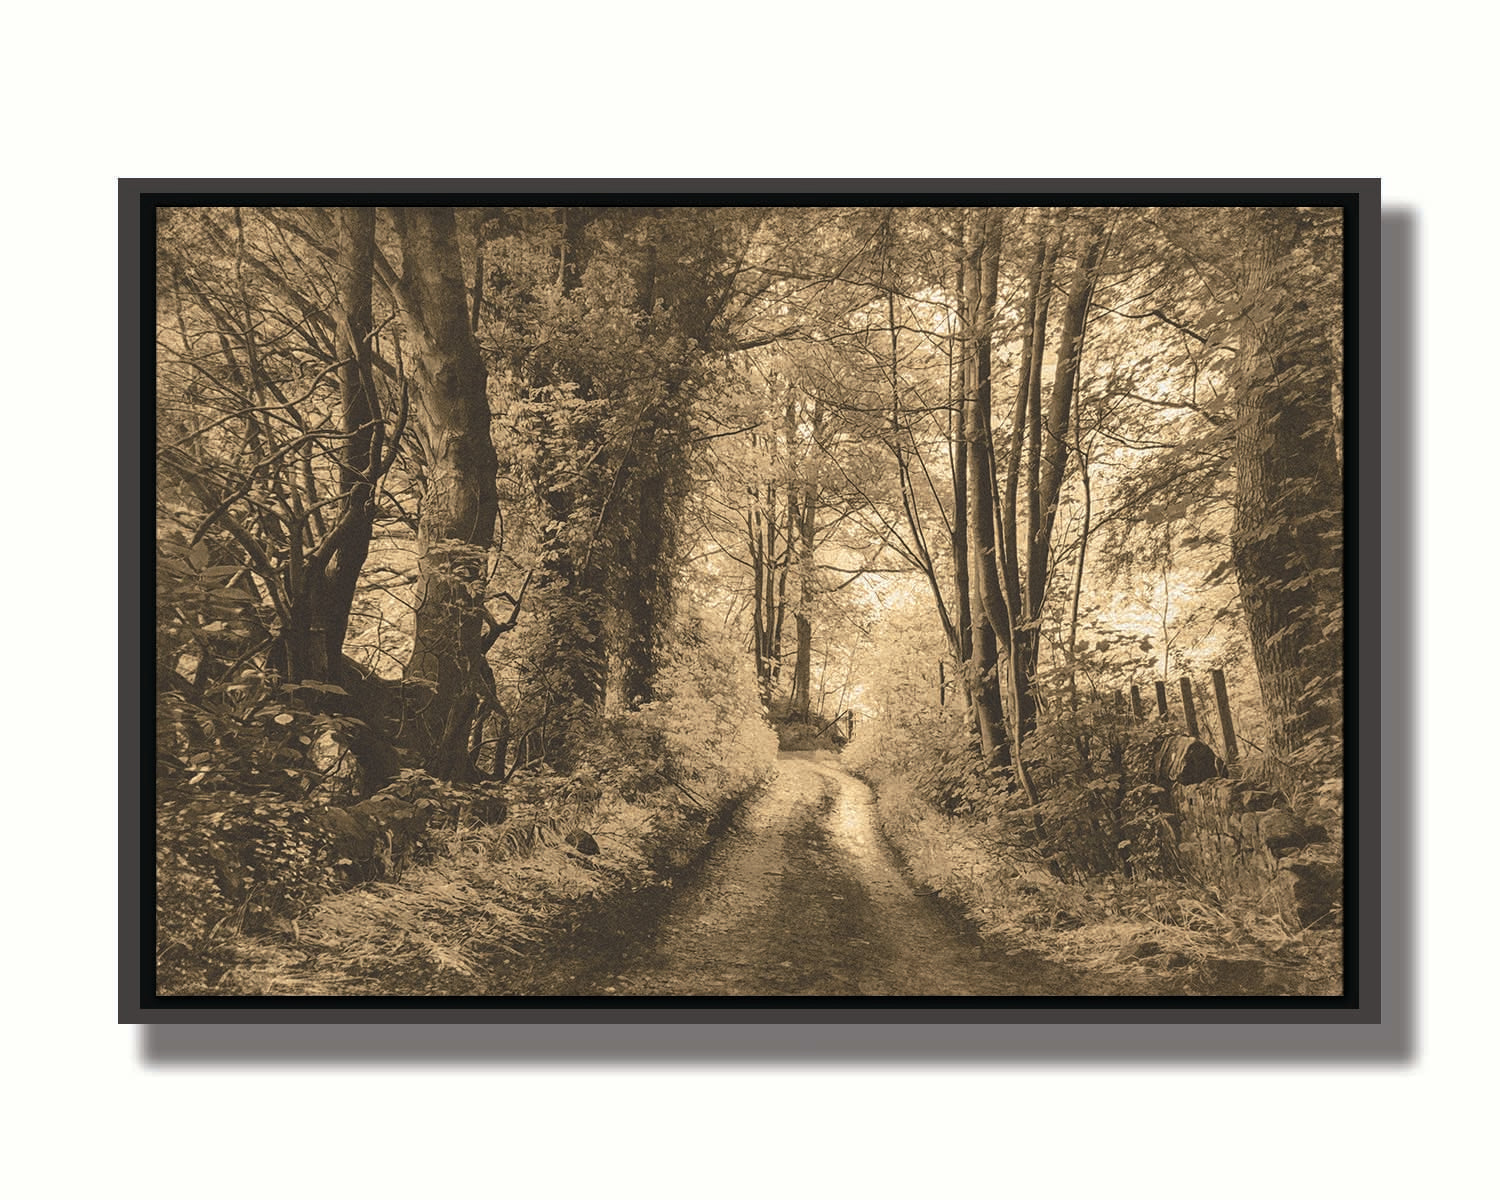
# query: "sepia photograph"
841, 598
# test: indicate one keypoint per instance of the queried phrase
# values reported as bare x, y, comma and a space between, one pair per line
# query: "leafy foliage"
228, 863
708, 728
247, 734
1100, 811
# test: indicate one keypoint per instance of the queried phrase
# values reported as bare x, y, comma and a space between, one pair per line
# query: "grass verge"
488, 914
1138, 937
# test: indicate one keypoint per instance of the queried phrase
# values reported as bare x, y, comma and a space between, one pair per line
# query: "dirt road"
803, 897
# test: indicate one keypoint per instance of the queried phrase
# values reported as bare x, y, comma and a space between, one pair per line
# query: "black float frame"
1379, 958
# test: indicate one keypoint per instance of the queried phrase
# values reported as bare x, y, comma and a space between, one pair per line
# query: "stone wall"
1244, 840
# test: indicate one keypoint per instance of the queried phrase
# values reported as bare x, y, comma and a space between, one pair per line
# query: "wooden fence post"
1135, 702
1117, 702
1226, 723
942, 685
1189, 713
1161, 700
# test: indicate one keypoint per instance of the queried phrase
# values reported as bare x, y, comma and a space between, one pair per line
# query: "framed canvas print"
660, 601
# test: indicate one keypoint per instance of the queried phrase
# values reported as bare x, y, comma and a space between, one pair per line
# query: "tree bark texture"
806, 510
360, 420
459, 500
992, 625
1038, 452
1287, 534
672, 306
964, 632
649, 566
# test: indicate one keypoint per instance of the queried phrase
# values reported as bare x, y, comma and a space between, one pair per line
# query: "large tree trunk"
459, 502
360, 466
1286, 538
573, 664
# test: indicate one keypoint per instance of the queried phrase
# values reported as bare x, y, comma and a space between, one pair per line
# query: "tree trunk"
648, 568
360, 421
992, 628
657, 468
806, 530
964, 608
800, 703
1025, 442
989, 707
459, 501
1286, 539
1047, 461
573, 665
760, 622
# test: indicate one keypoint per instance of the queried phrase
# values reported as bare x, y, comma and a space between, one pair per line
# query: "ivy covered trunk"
572, 664
1287, 536
648, 569
459, 502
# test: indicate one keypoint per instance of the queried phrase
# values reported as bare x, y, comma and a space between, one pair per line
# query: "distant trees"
760, 507
1037, 376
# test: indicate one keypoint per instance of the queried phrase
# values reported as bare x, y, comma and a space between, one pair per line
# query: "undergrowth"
1089, 876
492, 894
249, 900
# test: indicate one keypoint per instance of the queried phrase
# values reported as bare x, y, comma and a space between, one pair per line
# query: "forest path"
803, 897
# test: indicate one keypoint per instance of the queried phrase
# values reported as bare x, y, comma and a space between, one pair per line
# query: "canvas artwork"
749, 599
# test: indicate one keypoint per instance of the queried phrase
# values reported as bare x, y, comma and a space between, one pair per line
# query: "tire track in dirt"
802, 896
